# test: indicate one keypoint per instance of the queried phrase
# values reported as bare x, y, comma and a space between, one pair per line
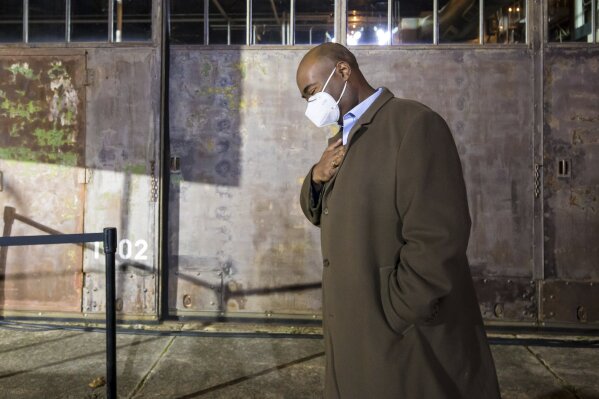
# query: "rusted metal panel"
238, 240
42, 136
485, 96
507, 299
572, 302
122, 161
571, 134
238, 232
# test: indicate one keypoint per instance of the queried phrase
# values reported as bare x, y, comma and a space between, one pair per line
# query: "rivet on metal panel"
187, 300
537, 179
498, 309
509, 281
581, 314
551, 314
484, 280
551, 296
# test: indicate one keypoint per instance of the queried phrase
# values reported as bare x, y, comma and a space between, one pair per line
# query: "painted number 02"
125, 251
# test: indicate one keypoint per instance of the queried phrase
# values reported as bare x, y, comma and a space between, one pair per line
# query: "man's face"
312, 75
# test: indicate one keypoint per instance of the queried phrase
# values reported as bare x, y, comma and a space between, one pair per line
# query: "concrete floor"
61, 364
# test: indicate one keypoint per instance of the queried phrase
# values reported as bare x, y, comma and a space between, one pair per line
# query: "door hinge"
90, 76
153, 182
537, 184
84, 175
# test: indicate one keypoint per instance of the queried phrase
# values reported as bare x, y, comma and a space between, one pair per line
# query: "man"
400, 314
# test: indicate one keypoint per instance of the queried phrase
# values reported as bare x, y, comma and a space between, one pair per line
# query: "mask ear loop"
342, 91
330, 76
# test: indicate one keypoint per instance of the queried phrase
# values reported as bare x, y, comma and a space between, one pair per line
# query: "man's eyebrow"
305, 91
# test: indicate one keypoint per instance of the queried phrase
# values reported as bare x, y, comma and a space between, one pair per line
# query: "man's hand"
325, 169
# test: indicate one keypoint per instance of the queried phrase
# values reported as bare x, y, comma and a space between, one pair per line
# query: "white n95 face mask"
322, 108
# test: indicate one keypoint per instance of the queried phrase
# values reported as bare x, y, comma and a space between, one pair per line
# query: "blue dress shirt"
350, 118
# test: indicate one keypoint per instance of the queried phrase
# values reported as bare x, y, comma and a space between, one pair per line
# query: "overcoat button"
326, 263
326, 211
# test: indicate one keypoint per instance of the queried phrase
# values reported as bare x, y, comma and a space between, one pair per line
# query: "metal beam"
26, 21
68, 21
481, 22
274, 10
248, 23
110, 21
220, 9
435, 21
389, 21
594, 19
291, 38
206, 22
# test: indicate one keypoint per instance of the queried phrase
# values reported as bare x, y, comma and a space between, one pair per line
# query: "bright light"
518, 9
510, 9
382, 36
353, 38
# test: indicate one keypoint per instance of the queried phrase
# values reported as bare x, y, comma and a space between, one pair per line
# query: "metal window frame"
67, 28
206, 22
25, 21
570, 44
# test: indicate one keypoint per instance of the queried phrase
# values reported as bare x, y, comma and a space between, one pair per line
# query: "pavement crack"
565, 384
251, 376
145, 378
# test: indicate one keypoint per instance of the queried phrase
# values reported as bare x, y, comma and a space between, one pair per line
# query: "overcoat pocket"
395, 322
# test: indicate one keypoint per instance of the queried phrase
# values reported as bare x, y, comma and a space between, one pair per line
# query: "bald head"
333, 53
318, 64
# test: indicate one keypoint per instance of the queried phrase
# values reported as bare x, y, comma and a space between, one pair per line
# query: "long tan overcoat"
400, 314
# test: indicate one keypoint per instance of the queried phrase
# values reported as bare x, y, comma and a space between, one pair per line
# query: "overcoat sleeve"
310, 201
430, 197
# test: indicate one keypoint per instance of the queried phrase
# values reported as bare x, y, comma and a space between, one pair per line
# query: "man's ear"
344, 69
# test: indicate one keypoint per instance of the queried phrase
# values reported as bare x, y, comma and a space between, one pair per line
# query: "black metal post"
110, 251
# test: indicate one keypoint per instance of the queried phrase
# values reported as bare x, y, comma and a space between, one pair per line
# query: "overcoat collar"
364, 120
366, 117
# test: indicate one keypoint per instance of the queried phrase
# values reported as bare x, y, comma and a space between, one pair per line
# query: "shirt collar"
357, 111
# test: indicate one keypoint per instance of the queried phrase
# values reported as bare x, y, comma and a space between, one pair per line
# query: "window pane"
270, 22
132, 20
459, 21
506, 22
227, 22
314, 21
412, 22
367, 22
47, 20
569, 21
11, 21
187, 21
89, 20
